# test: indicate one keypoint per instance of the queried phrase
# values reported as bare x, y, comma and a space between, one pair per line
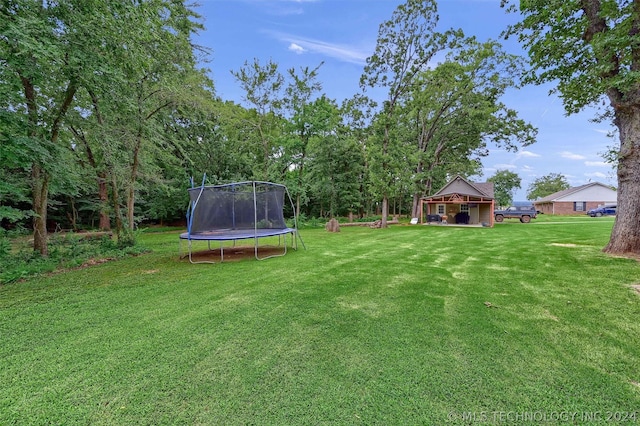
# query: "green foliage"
586, 48
405, 44
305, 222
127, 238
16, 155
262, 85
334, 175
67, 250
505, 183
88, 87
437, 120
5, 246
454, 109
547, 185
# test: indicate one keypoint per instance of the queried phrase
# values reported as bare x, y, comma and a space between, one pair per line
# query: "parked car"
524, 213
607, 210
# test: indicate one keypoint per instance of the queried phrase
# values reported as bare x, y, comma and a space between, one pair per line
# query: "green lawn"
406, 325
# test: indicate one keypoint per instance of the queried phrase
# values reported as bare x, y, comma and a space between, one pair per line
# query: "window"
464, 208
579, 206
441, 209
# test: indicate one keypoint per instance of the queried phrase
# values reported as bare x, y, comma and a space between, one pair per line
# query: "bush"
65, 251
5, 247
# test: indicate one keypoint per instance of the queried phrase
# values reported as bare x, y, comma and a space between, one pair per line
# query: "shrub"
65, 251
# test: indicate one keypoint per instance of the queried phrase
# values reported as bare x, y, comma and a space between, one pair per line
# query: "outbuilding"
460, 202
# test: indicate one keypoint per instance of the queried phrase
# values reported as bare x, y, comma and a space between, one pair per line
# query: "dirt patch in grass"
636, 287
234, 254
564, 245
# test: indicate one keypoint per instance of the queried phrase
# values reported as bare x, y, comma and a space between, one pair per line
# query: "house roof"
460, 185
557, 196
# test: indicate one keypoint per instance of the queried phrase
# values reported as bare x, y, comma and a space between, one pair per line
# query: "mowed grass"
406, 325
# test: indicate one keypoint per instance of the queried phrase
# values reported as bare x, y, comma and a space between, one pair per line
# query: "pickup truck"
524, 213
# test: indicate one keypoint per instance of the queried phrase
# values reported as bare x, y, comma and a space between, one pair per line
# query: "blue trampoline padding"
235, 234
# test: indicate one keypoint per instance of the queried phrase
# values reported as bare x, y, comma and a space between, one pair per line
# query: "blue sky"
342, 34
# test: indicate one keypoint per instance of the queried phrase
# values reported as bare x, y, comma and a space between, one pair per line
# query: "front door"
474, 214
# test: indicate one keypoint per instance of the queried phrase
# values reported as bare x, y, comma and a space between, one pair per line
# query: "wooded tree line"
105, 114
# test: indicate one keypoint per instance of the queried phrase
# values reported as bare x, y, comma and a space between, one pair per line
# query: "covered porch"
461, 209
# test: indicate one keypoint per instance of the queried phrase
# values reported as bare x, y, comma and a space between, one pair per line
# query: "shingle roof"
565, 192
483, 188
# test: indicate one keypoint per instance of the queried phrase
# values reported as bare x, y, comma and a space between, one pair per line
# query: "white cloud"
505, 166
572, 156
605, 131
297, 48
526, 154
341, 52
282, 7
599, 175
596, 164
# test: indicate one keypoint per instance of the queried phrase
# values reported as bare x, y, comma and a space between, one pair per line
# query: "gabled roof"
460, 185
565, 193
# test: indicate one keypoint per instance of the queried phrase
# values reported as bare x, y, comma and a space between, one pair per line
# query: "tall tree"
47, 49
505, 182
152, 72
455, 109
336, 161
357, 112
547, 185
591, 50
303, 86
218, 141
263, 85
406, 43
121, 53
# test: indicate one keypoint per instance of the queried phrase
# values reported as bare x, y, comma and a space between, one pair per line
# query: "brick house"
577, 200
460, 201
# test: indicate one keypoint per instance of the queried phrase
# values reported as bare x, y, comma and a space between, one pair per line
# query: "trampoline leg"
190, 250
274, 255
302, 242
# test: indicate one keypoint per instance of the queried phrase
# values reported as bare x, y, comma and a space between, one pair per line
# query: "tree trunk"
625, 236
385, 211
103, 195
415, 205
116, 205
40, 189
130, 207
72, 216
131, 193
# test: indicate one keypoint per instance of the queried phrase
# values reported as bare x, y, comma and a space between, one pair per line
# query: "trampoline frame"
228, 234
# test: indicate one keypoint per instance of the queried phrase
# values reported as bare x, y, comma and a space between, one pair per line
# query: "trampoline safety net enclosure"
237, 211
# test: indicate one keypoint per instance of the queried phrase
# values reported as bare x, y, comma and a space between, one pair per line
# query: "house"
577, 200
460, 201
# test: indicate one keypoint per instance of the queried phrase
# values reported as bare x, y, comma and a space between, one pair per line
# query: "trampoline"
238, 211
